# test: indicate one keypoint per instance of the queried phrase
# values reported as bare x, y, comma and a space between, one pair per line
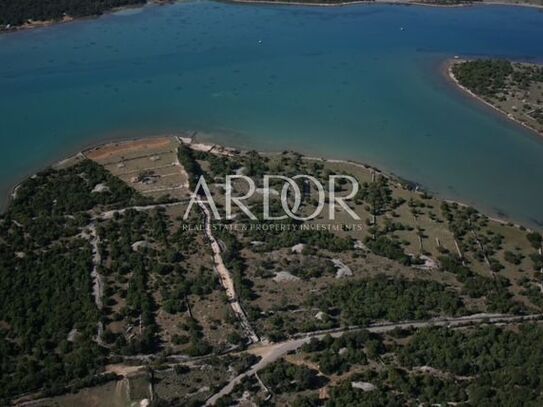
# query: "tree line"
17, 12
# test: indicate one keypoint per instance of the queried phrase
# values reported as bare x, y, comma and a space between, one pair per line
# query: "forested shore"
14, 13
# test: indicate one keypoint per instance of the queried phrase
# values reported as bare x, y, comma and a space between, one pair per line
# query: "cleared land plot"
149, 166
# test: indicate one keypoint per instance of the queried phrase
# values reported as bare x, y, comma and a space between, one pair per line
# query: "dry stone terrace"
150, 166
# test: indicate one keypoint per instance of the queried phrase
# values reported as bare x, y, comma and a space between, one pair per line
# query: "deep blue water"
340, 82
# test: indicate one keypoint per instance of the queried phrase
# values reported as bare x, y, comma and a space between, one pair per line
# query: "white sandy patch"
358, 244
98, 188
284, 276
342, 269
320, 315
364, 386
429, 263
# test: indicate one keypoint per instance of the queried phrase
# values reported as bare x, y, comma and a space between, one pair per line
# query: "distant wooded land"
17, 12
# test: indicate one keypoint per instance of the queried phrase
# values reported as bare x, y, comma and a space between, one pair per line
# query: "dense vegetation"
391, 249
485, 77
219, 165
377, 195
486, 366
337, 355
188, 160
360, 302
48, 316
134, 275
396, 387
69, 191
494, 290
506, 367
514, 88
285, 377
45, 295
49, 320
16, 12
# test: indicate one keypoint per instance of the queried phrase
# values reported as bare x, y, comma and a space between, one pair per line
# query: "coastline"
448, 72
348, 3
226, 150
383, 2
69, 19
70, 154
189, 137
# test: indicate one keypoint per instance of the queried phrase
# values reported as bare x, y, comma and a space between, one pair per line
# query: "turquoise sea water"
340, 82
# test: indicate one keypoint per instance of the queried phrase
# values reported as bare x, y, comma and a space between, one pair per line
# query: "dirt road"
225, 277
271, 353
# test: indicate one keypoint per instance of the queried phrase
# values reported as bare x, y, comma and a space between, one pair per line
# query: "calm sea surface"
342, 82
